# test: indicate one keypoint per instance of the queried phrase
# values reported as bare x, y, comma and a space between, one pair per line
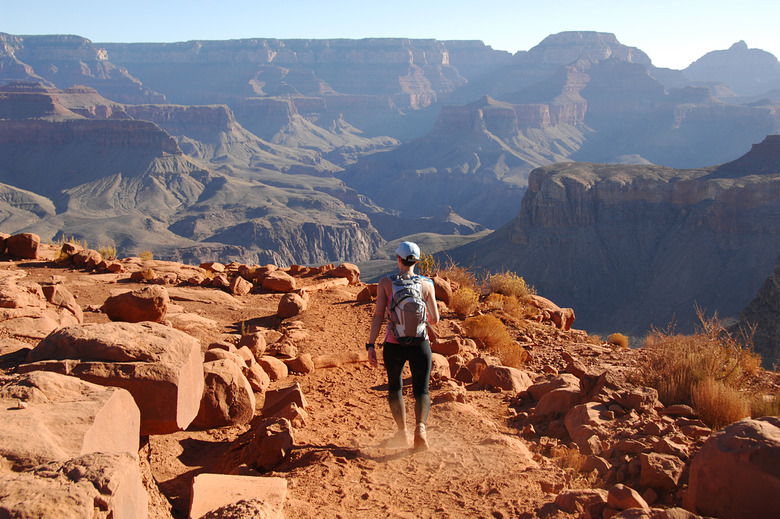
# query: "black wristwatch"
369, 345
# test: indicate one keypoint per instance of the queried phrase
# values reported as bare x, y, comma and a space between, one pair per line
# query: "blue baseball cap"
408, 251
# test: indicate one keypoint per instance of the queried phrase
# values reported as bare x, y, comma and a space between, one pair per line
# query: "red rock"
145, 304
296, 415
578, 500
440, 367
566, 380
510, 379
478, 364
240, 286
279, 281
60, 296
21, 294
303, 364
213, 491
161, 367
735, 473
255, 342
270, 442
64, 418
558, 402
349, 271
220, 281
258, 378
228, 398
582, 420
291, 305
364, 295
275, 368
87, 258
621, 497
279, 398
451, 346
562, 318
213, 266
661, 472
24, 245
442, 289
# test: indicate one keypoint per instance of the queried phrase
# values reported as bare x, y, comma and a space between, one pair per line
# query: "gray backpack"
408, 312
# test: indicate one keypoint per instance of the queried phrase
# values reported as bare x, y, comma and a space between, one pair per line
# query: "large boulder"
212, 492
279, 281
736, 473
350, 271
24, 245
504, 377
161, 367
145, 304
583, 420
562, 318
227, 397
52, 417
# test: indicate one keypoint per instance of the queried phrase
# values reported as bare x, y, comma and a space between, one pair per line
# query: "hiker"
409, 303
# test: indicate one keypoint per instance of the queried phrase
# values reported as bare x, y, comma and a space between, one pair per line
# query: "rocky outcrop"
648, 232
565, 48
761, 320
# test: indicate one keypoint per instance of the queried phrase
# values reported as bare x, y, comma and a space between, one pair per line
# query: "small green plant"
146, 255
108, 252
508, 284
618, 339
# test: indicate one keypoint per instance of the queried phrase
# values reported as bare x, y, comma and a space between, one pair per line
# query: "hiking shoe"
420, 437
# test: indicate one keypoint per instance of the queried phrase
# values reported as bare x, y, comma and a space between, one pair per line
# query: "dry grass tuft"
108, 252
676, 365
765, 405
718, 404
146, 255
491, 332
510, 305
618, 339
508, 284
464, 302
462, 277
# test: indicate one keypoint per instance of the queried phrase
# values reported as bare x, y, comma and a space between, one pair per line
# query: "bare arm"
377, 318
429, 294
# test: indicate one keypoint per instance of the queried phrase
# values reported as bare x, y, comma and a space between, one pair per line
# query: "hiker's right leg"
394, 365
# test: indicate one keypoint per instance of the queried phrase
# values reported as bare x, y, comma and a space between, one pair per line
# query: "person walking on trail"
409, 303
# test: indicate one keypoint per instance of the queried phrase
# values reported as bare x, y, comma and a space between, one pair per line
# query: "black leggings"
419, 357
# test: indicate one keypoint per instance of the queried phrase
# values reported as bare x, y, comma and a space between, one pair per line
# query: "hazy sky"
673, 33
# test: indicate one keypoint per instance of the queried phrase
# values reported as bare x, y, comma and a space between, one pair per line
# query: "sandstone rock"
275, 368
60, 296
240, 286
510, 379
279, 281
479, 364
566, 380
145, 304
735, 473
582, 420
558, 402
364, 295
98, 485
64, 418
453, 346
257, 377
220, 281
24, 245
88, 258
279, 398
291, 305
661, 472
303, 364
21, 294
440, 367
597, 463
579, 500
245, 509
215, 491
255, 342
296, 415
270, 442
349, 271
442, 289
228, 398
621, 497
562, 318
213, 266
161, 367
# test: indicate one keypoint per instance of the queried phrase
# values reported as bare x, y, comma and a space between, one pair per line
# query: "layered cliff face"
637, 246
64, 61
761, 319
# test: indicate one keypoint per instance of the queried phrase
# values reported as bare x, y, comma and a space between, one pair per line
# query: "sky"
673, 33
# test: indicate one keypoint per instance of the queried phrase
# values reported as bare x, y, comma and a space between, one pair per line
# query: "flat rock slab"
212, 491
160, 366
51, 417
203, 295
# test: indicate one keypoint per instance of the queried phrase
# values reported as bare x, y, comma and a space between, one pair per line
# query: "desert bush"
493, 335
618, 339
461, 276
675, 364
719, 404
428, 265
508, 284
146, 255
765, 405
108, 252
464, 301
510, 305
